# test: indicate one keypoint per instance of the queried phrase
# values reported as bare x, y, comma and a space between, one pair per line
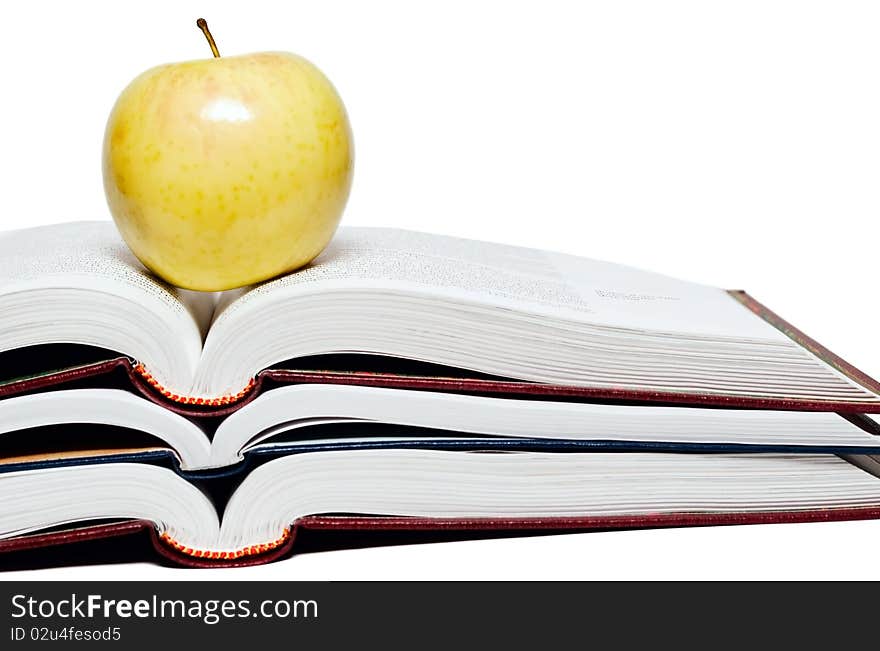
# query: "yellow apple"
227, 171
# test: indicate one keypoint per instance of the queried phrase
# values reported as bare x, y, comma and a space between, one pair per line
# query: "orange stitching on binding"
191, 400
238, 553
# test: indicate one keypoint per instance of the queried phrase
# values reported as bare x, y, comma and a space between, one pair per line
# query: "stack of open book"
408, 382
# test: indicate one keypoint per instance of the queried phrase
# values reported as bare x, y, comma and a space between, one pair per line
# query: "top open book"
491, 309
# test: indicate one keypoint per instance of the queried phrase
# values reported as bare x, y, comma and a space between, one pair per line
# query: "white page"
91, 255
533, 484
286, 408
511, 277
79, 283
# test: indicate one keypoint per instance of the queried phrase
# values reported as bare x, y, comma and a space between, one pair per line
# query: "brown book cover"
138, 540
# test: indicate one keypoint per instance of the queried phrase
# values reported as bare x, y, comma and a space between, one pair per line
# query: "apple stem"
203, 25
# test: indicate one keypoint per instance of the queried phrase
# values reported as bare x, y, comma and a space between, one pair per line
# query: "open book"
486, 309
474, 489
308, 417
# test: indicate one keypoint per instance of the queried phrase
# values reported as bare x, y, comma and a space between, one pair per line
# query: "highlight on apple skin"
227, 171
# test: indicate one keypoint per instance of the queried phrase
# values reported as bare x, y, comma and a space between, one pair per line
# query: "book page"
78, 283
91, 255
561, 286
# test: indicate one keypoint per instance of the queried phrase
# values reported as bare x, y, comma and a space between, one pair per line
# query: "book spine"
251, 550
193, 400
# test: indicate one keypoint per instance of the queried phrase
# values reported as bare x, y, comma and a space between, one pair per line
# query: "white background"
732, 143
